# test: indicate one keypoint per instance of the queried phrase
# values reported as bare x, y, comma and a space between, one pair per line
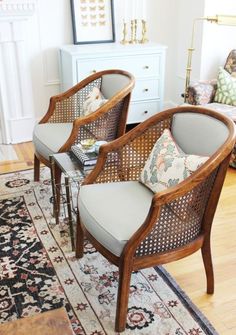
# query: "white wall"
55, 29
169, 22
218, 40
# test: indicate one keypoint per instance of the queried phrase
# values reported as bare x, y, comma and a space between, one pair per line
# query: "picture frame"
93, 21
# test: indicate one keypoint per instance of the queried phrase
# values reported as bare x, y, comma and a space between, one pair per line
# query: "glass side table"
66, 164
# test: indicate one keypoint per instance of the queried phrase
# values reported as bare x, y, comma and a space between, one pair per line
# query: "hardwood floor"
219, 308
25, 154
54, 322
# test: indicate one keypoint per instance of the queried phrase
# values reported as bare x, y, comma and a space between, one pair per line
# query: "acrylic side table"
66, 164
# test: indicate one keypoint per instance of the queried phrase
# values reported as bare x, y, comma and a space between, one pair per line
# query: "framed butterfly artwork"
93, 21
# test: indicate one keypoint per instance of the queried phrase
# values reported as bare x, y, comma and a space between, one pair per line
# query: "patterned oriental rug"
38, 272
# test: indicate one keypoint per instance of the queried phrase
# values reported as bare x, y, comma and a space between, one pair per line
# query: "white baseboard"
21, 130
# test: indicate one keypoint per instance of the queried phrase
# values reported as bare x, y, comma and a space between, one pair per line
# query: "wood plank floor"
219, 308
25, 154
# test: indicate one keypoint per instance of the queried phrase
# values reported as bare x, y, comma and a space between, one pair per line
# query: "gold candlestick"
135, 30
132, 32
144, 32
124, 40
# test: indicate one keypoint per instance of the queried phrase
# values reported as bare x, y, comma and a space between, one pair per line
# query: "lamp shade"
228, 20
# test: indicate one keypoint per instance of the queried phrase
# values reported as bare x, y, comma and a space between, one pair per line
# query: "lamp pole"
228, 20
190, 53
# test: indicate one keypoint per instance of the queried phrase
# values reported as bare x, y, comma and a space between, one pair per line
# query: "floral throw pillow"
226, 88
93, 101
167, 165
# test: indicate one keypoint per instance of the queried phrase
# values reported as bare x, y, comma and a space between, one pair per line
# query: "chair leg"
125, 272
207, 260
36, 168
79, 250
57, 172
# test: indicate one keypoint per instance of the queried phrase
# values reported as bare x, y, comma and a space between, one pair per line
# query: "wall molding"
17, 109
52, 82
17, 8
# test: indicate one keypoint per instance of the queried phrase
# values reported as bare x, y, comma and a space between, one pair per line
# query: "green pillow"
226, 88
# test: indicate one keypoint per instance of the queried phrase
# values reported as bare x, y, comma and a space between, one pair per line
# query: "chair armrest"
117, 161
67, 106
178, 216
201, 93
124, 158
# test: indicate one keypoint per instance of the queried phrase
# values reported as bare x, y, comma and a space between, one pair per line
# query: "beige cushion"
94, 100
113, 83
166, 166
48, 138
113, 212
198, 134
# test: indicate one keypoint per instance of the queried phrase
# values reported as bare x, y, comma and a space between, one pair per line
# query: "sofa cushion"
226, 88
166, 166
227, 110
113, 212
48, 138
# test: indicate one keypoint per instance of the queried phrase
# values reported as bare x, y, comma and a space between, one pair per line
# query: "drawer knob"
145, 112
146, 67
145, 89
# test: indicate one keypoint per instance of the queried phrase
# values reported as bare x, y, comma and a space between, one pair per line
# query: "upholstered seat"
113, 212
48, 138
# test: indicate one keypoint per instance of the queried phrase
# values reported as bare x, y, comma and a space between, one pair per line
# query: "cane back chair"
135, 228
65, 123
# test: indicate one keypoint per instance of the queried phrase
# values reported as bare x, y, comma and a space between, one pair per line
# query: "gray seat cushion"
48, 138
113, 212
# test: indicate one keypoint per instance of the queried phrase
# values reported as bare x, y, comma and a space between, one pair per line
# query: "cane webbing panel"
103, 128
128, 161
71, 108
180, 221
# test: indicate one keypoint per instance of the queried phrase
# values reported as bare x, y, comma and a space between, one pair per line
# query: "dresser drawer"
140, 66
146, 89
140, 111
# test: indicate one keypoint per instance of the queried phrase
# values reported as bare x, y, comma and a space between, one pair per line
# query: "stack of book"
86, 159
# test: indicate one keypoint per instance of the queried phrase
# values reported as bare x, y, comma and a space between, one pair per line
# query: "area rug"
38, 272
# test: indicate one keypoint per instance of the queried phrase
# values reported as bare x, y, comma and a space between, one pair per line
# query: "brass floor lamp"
227, 20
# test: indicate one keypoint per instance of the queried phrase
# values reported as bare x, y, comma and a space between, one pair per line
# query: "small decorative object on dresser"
145, 62
92, 21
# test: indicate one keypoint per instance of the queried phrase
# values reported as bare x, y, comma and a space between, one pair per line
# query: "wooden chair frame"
130, 260
50, 116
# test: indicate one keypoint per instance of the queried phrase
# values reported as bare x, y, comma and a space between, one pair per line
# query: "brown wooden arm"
62, 108
56, 100
189, 194
89, 126
117, 159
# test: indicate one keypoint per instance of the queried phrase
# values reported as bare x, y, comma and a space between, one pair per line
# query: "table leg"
54, 190
69, 209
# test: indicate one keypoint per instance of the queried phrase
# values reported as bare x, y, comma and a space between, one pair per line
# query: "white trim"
17, 8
